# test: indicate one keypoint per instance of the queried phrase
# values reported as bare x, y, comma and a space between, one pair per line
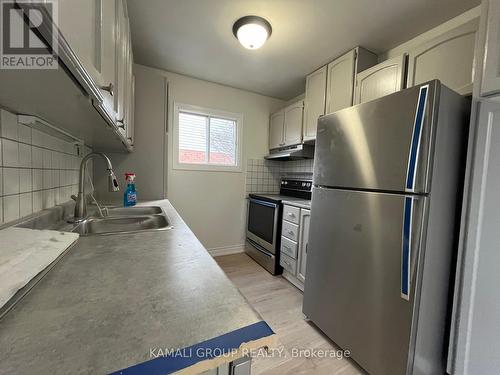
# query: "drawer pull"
291, 214
291, 233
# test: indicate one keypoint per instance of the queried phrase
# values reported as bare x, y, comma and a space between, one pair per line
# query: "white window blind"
206, 139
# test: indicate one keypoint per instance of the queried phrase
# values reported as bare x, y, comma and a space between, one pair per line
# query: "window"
206, 139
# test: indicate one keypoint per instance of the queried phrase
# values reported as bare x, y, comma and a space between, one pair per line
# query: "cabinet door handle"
109, 88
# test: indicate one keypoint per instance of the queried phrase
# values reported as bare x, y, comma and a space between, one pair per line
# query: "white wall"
212, 203
148, 160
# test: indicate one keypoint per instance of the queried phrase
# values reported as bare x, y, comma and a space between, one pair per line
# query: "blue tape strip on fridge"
185, 357
415, 140
406, 248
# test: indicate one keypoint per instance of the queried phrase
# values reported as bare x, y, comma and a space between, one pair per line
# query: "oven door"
262, 223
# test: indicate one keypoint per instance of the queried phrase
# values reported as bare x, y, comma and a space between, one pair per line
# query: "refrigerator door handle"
406, 248
411, 171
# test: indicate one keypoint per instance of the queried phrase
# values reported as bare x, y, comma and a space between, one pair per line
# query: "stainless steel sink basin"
134, 211
126, 224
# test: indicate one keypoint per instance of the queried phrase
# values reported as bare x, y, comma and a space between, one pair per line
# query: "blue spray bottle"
130, 195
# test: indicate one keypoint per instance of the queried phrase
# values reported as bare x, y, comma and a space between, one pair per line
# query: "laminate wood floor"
280, 305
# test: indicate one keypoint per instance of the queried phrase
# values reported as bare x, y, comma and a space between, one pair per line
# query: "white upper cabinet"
81, 25
108, 53
340, 82
121, 66
380, 80
89, 28
448, 58
98, 33
341, 77
293, 124
123, 70
490, 82
314, 103
276, 129
285, 126
331, 87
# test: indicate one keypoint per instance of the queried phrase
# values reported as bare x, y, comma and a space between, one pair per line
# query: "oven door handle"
263, 203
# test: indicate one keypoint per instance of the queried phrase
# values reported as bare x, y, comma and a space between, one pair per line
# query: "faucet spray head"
112, 182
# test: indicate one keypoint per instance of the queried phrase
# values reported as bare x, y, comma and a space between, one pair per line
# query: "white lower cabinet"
305, 217
294, 239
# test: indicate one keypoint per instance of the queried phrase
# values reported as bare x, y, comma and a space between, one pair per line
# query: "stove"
264, 221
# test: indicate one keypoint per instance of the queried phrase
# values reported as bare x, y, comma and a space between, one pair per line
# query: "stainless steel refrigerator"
387, 178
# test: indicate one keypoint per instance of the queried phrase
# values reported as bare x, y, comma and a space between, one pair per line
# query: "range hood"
292, 153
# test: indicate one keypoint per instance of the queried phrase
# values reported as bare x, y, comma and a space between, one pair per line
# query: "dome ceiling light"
252, 31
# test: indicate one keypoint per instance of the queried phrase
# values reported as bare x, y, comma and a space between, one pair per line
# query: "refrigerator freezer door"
359, 288
379, 145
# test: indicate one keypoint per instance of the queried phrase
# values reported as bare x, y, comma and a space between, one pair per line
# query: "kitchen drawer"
288, 247
291, 214
290, 230
288, 263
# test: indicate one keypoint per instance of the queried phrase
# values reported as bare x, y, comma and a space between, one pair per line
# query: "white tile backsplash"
48, 198
25, 181
263, 176
25, 204
37, 200
10, 152
24, 134
24, 155
47, 159
47, 179
11, 208
37, 178
8, 125
37, 157
10, 181
37, 170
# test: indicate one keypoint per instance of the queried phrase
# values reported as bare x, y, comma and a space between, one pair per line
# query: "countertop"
112, 299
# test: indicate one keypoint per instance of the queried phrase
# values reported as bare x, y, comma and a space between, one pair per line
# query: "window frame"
203, 111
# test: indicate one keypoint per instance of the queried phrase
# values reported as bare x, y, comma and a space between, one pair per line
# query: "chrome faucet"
81, 201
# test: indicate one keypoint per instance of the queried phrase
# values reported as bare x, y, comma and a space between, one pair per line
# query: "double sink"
119, 220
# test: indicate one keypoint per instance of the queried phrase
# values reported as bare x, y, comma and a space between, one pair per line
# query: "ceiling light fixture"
252, 31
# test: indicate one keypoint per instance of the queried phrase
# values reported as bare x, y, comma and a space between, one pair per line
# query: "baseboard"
226, 250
